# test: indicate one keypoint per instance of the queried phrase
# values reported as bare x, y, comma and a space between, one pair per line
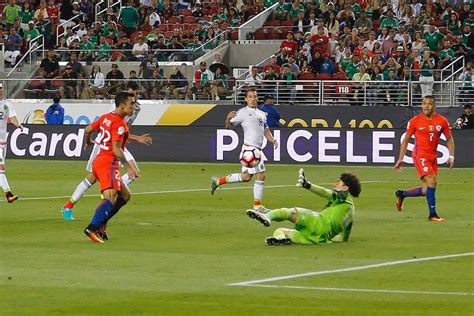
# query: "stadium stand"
328, 40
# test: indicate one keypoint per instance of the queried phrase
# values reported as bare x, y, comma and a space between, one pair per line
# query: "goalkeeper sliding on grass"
334, 223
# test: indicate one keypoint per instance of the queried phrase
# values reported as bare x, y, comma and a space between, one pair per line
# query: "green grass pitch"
175, 249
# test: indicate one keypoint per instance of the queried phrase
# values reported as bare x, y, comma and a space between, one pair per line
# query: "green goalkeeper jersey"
334, 221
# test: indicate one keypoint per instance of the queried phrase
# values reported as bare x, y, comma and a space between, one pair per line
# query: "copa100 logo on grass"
24, 143
326, 146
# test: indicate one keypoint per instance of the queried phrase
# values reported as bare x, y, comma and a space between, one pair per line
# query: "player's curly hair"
352, 182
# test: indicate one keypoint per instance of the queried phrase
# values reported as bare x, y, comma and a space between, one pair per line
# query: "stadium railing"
255, 23
363, 93
298, 92
98, 12
64, 25
35, 50
452, 69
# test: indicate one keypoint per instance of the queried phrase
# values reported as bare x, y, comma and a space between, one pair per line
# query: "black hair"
56, 99
133, 85
352, 182
429, 97
122, 97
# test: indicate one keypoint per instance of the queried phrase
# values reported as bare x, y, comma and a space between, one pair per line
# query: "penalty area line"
172, 191
358, 268
318, 288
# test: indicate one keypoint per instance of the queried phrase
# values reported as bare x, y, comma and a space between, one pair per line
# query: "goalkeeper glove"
302, 181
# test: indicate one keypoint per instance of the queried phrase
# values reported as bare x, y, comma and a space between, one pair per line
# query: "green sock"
279, 214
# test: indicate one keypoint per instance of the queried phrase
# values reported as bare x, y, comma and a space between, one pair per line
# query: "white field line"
358, 268
359, 290
172, 191
203, 190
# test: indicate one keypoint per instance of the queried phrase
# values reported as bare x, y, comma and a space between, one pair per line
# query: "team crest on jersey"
121, 130
438, 128
431, 128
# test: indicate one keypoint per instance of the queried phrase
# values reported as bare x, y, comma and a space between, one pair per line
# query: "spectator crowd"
120, 34
369, 40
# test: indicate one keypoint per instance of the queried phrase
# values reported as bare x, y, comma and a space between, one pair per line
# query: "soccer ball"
459, 123
250, 157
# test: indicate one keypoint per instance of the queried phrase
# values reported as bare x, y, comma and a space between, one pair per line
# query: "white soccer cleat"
262, 218
214, 184
261, 209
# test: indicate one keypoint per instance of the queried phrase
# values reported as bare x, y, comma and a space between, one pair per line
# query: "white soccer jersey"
253, 122
130, 119
6, 111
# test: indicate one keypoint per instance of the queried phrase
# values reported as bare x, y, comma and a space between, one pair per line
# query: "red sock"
222, 180
69, 204
257, 203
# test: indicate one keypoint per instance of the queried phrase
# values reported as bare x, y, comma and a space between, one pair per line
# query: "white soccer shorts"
3, 153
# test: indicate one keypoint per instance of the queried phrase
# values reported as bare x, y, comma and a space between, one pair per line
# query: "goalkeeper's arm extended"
316, 189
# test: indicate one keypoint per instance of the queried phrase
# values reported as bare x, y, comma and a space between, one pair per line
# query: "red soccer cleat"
400, 198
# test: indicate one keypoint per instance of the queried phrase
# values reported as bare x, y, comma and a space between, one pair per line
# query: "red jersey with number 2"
112, 128
427, 133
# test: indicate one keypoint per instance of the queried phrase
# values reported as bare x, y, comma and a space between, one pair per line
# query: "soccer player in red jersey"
427, 128
113, 137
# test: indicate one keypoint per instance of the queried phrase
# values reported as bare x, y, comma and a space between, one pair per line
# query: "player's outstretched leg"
277, 215
231, 178
81, 189
401, 195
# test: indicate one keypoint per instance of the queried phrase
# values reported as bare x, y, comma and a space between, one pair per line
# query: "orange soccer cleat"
93, 236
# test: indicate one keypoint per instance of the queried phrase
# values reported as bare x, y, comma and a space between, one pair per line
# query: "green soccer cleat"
262, 218
214, 184
67, 214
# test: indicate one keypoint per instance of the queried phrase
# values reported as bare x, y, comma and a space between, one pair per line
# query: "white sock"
126, 179
258, 190
80, 190
234, 177
4, 181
